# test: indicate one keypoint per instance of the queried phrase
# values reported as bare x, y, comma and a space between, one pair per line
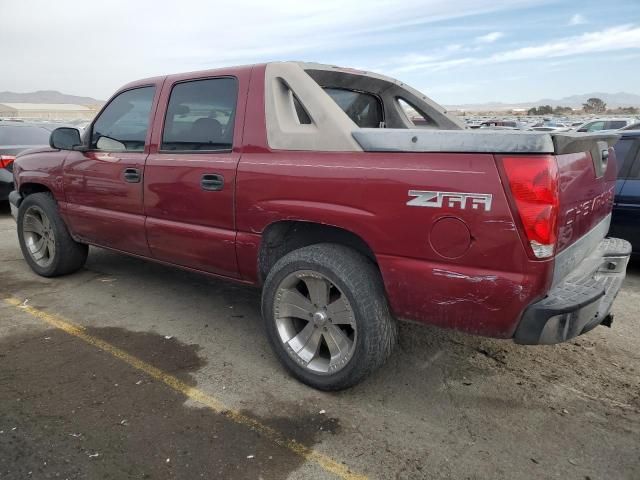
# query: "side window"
363, 108
623, 159
595, 127
200, 115
616, 124
123, 125
417, 117
634, 163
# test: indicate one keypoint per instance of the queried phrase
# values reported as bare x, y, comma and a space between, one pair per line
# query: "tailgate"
586, 176
586, 182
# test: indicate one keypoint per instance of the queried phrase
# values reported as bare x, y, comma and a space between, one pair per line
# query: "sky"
456, 51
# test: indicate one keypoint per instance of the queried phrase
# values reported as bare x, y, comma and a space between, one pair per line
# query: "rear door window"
363, 108
616, 124
200, 116
123, 124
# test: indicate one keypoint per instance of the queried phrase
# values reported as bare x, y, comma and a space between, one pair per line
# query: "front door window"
123, 125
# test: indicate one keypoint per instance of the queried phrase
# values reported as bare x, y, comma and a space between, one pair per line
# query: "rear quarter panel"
483, 290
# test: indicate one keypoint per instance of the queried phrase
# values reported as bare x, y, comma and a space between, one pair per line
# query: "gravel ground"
446, 405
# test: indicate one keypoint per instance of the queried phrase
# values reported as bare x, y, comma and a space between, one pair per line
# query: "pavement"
131, 369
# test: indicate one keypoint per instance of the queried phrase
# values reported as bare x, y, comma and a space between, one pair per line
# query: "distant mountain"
46, 96
613, 100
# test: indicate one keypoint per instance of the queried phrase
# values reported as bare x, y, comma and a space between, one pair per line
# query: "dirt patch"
69, 410
587, 366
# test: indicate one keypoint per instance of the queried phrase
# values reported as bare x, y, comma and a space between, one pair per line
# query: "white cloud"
577, 19
611, 39
490, 37
432, 66
616, 38
50, 47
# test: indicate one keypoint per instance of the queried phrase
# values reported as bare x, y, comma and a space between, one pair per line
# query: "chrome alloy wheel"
315, 322
39, 236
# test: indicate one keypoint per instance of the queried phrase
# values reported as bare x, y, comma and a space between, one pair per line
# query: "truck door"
189, 185
103, 186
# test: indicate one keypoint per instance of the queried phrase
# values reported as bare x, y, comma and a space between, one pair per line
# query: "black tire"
69, 255
359, 280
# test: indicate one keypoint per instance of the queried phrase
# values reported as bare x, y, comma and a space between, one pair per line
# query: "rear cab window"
365, 109
415, 116
200, 116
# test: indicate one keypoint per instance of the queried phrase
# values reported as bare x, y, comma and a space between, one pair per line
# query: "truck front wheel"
44, 239
327, 316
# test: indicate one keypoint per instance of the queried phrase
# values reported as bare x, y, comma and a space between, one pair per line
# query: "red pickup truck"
349, 197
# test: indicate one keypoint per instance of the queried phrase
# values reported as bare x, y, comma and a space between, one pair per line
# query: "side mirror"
65, 138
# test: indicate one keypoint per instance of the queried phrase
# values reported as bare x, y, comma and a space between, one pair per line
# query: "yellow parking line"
213, 403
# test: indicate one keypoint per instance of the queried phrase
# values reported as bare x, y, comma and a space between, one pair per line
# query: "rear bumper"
581, 301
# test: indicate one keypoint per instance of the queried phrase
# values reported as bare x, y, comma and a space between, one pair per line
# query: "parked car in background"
16, 137
605, 124
500, 123
550, 126
625, 221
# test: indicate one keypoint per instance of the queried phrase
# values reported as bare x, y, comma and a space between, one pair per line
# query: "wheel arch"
281, 237
29, 188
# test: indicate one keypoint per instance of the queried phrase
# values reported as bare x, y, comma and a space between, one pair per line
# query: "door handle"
132, 175
212, 182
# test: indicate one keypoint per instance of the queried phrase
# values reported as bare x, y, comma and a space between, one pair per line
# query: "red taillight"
6, 160
534, 186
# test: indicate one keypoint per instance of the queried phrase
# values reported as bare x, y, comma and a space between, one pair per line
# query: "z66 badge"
460, 200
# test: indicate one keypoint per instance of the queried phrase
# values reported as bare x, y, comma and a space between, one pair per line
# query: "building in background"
48, 111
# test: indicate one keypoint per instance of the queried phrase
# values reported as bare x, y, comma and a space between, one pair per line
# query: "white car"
605, 124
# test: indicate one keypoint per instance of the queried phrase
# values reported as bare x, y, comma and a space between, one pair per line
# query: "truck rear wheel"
326, 316
44, 239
